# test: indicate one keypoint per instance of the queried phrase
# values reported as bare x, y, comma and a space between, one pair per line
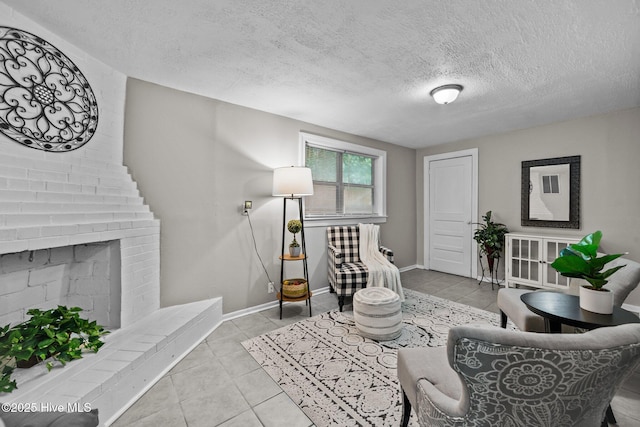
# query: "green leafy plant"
294, 226
59, 333
490, 238
580, 260
6, 383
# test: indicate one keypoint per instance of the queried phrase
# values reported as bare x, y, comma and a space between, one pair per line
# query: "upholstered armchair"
621, 283
488, 377
347, 273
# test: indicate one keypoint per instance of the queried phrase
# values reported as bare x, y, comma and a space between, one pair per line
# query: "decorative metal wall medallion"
45, 101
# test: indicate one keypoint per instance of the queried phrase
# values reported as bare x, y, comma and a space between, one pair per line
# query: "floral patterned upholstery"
513, 378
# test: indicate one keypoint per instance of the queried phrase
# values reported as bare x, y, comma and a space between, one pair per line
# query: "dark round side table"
558, 308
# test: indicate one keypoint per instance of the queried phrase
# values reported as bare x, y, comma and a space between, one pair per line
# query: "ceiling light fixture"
446, 94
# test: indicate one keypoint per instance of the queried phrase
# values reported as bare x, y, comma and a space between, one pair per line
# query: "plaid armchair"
347, 273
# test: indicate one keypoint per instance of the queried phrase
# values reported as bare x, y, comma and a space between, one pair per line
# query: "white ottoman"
377, 313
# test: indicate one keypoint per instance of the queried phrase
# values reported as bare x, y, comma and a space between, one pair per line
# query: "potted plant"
294, 226
581, 261
59, 334
490, 238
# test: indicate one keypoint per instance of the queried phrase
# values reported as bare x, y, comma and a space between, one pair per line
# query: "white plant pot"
600, 302
294, 250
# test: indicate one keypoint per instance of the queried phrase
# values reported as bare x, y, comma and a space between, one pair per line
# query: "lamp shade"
446, 94
292, 181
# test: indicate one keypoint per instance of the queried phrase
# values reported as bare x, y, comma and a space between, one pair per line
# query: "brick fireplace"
54, 213
75, 230
86, 276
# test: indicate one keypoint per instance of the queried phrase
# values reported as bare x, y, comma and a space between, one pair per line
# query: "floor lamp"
293, 183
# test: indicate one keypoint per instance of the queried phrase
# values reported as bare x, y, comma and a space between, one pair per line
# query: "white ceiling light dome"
446, 94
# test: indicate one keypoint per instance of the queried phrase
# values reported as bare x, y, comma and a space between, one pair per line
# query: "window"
348, 179
550, 184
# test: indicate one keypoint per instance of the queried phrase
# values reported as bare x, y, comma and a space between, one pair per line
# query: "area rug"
339, 378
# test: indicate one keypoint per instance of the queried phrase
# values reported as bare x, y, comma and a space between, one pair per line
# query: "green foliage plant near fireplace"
56, 334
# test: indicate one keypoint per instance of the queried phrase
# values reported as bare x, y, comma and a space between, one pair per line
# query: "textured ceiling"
367, 66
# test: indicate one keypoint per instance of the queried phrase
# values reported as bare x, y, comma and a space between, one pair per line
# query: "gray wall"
610, 199
197, 159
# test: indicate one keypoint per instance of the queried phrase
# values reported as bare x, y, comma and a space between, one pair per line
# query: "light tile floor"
219, 383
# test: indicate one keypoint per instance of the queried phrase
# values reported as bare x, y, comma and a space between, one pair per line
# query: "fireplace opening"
86, 276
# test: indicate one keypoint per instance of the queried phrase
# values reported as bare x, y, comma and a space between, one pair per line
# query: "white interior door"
451, 207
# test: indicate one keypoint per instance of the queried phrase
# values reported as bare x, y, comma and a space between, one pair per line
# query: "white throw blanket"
381, 272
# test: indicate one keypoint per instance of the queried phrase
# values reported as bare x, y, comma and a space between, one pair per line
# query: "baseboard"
265, 306
268, 305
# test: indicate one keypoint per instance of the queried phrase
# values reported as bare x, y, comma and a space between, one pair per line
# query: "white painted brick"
48, 274
13, 172
14, 282
60, 255
56, 186
20, 196
91, 253
68, 218
84, 180
4, 183
37, 186
9, 207
18, 161
88, 189
87, 198
56, 290
100, 226
14, 317
72, 188
24, 299
59, 230
8, 234
40, 207
48, 242
25, 219
14, 246
28, 232
18, 184
35, 174
45, 196
46, 165
113, 226
82, 301
85, 170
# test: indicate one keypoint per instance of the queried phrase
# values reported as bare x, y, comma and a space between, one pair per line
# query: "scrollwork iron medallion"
46, 103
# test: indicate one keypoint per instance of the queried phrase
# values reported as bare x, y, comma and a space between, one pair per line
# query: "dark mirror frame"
574, 192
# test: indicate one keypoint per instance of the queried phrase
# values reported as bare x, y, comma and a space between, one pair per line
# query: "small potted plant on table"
294, 226
581, 261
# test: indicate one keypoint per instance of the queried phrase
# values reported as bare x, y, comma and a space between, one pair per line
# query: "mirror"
551, 192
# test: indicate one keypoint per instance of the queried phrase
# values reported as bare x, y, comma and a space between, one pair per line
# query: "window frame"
379, 179
554, 184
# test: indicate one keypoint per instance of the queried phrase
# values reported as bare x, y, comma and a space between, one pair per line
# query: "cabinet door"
552, 250
525, 261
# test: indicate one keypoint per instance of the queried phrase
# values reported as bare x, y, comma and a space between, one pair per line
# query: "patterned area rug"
339, 378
